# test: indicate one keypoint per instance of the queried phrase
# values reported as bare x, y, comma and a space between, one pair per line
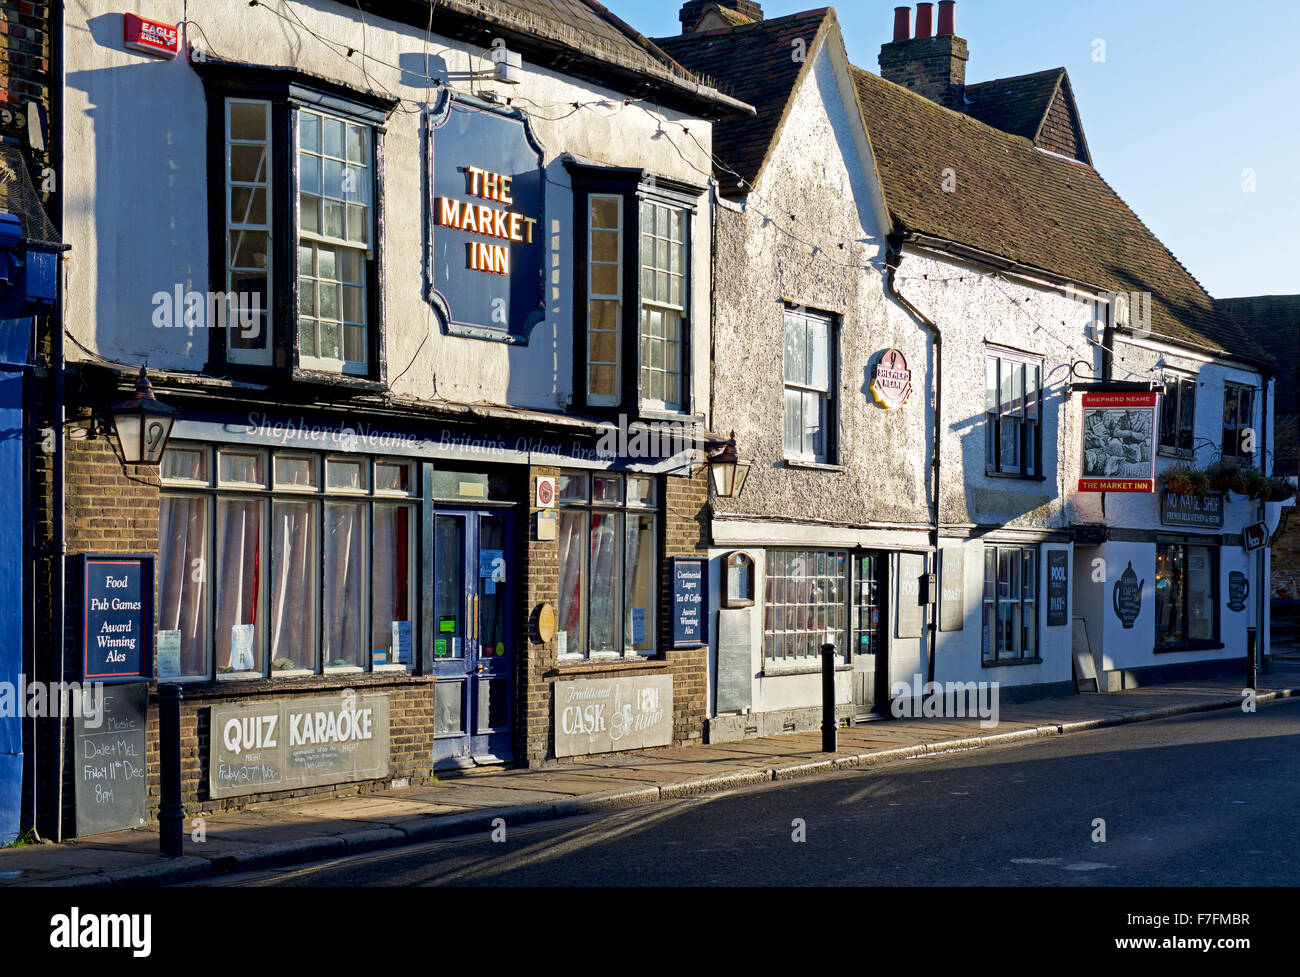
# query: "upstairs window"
809, 386
1178, 416
1013, 402
635, 287
1238, 422
296, 222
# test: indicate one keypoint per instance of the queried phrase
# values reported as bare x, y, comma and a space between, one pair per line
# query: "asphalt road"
1209, 799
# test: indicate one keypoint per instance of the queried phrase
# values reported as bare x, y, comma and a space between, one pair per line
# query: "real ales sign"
284, 744
486, 209
117, 618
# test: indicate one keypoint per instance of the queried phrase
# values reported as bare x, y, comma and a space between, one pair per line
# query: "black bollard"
171, 813
828, 699
1252, 658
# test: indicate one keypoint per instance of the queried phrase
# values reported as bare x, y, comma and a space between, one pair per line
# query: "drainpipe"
1261, 580
58, 408
893, 257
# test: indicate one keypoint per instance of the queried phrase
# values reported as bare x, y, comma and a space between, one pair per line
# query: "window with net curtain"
608, 575
301, 581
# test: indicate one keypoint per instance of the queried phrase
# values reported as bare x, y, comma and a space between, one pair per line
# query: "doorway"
473, 640
868, 614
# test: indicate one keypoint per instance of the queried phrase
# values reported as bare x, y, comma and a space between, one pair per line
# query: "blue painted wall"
11, 598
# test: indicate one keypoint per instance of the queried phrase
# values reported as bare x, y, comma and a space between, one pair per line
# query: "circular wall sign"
892, 383
545, 622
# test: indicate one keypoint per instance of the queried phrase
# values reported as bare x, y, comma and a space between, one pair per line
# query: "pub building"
419, 466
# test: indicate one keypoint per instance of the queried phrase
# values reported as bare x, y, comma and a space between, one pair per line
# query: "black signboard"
117, 618
1192, 511
108, 770
690, 605
1238, 590
1058, 588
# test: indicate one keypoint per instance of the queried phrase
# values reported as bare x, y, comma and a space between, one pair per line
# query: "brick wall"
1284, 558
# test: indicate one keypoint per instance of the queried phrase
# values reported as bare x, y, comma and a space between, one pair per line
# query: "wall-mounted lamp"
729, 471
142, 424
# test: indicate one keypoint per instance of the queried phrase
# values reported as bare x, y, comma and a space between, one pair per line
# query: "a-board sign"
108, 769
735, 660
117, 618
690, 604
911, 612
952, 589
1058, 588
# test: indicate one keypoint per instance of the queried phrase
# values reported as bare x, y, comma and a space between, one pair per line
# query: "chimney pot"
947, 17
924, 19
902, 23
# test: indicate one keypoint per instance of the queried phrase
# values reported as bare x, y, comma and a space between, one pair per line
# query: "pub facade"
430, 325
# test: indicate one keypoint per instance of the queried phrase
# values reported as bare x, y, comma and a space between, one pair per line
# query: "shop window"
1238, 422
1187, 604
810, 414
1013, 400
805, 603
301, 579
1010, 604
1178, 416
635, 286
608, 565
295, 221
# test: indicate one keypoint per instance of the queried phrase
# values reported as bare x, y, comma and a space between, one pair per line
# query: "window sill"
1012, 663
337, 381
570, 667
292, 673
344, 670
247, 684
1177, 453
1018, 478
1188, 646
776, 668
815, 466
668, 416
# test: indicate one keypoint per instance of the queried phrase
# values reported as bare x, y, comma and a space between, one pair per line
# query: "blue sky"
1191, 95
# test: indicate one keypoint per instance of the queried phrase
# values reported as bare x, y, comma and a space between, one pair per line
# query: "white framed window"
1238, 419
809, 390
1010, 606
249, 259
335, 223
1178, 416
1013, 399
608, 565
663, 303
805, 603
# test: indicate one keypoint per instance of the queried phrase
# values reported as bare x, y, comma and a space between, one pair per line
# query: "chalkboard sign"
1058, 588
735, 661
108, 769
911, 613
690, 606
117, 618
952, 590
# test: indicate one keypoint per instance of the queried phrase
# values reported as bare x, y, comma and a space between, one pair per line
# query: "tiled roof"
571, 31
1030, 207
1015, 105
733, 17
755, 63
1273, 321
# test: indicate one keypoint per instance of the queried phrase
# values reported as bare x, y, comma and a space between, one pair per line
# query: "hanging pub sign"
1194, 511
1118, 442
891, 385
487, 175
117, 618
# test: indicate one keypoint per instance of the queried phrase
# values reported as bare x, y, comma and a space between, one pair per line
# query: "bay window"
306, 562
634, 289
296, 220
608, 565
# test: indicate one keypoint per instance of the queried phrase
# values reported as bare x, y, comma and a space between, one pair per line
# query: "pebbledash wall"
462, 433
845, 530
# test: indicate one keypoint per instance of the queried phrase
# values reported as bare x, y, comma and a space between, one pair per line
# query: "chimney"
693, 10
933, 66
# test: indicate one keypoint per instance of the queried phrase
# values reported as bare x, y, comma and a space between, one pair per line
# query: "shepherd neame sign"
285, 744
485, 206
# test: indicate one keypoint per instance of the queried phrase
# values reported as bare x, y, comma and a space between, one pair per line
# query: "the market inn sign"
487, 176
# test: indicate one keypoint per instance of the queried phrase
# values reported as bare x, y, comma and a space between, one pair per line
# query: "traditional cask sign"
284, 744
117, 618
611, 714
485, 203
108, 771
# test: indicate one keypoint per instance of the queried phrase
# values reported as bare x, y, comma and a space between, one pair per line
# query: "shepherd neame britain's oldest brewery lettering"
285, 744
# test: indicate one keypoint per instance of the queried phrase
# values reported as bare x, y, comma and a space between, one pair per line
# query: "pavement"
312, 830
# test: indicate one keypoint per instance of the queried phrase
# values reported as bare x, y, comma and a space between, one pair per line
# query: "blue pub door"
473, 638
11, 598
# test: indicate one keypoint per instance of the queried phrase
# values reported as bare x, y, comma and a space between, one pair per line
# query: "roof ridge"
819, 13
1031, 74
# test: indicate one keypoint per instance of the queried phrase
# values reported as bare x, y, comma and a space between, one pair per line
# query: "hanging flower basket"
1277, 490
1176, 478
1198, 483
1254, 483
1226, 476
